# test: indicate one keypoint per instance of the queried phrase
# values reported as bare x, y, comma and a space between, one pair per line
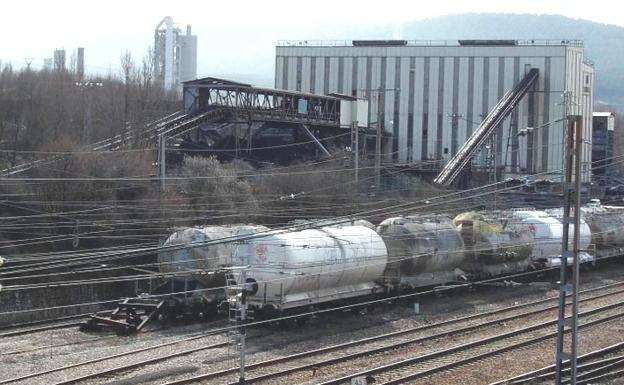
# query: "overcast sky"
234, 37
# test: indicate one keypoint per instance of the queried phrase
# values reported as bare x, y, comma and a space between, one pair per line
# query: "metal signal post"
570, 286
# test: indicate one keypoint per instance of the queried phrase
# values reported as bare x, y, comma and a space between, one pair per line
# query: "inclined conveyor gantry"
495, 117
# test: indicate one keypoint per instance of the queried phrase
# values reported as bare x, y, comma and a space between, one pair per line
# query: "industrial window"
445, 150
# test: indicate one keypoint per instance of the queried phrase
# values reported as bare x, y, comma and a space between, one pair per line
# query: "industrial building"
603, 143
59, 60
175, 55
430, 96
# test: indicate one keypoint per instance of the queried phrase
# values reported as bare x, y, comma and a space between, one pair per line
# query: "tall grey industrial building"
175, 55
433, 94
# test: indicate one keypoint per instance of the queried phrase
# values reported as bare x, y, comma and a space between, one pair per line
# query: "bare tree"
127, 71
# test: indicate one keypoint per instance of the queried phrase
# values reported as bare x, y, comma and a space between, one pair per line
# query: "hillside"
603, 43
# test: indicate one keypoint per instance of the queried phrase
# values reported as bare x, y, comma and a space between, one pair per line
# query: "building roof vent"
487, 42
379, 43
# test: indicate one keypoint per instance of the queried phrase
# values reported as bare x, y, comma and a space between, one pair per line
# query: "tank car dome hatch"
202, 250
305, 267
423, 250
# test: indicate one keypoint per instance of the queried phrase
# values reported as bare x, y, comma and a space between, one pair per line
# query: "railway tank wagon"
607, 228
495, 243
323, 262
424, 250
196, 253
547, 230
313, 266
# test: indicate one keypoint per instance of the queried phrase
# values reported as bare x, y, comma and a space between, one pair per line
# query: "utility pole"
86, 88
356, 165
161, 161
574, 142
243, 319
378, 144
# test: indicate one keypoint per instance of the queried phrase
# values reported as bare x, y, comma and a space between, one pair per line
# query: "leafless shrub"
216, 191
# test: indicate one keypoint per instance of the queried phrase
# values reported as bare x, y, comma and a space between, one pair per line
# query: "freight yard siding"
435, 95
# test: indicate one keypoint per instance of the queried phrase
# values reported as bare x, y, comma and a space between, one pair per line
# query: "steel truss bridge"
211, 100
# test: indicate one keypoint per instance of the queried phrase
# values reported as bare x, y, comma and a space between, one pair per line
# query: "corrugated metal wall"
434, 96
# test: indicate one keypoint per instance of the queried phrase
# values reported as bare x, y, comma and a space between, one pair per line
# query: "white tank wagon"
548, 235
423, 250
495, 243
313, 266
203, 250
607, 227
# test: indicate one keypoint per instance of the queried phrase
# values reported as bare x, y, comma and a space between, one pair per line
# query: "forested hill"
604, 44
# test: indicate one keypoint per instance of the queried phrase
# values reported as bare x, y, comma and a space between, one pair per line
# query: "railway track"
594, 366
119, 363
43, 325
347, 353
30, 330
400, 372
41, 376
111, 367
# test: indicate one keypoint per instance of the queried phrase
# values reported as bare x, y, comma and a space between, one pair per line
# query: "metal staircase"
494, 118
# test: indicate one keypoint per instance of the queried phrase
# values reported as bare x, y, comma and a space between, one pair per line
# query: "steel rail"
42, 328
121, 368
549, 371
370, 339
376, 350
470, 356
141, 363
153, 347
588, 381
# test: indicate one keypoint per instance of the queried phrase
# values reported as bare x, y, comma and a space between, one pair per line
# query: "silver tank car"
584, 242
607, 226
203, 250
424, 250
547, 230
496, 242
299, 268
